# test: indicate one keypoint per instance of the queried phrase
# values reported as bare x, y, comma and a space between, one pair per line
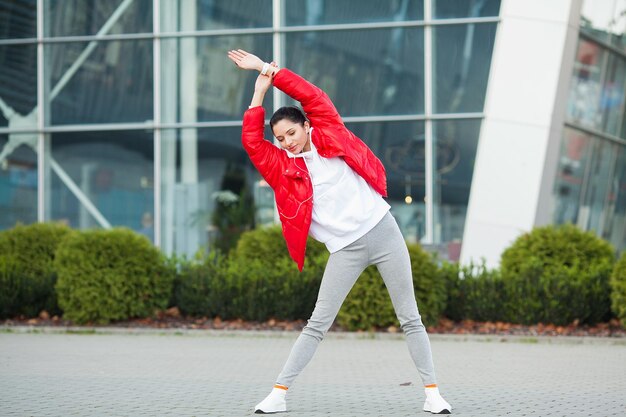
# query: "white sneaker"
273, 403
435, 403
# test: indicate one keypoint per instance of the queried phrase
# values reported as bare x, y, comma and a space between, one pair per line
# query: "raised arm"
315, 102
263, 154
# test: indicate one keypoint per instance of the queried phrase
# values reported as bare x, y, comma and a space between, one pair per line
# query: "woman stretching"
330, 185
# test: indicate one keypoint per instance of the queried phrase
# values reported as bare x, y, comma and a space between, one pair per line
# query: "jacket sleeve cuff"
255, 111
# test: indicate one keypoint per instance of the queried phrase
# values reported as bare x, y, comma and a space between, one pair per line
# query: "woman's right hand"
263, 83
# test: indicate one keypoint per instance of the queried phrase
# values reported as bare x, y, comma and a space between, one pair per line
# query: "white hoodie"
345, 206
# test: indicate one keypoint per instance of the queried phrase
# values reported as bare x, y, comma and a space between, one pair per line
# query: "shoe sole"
444, 411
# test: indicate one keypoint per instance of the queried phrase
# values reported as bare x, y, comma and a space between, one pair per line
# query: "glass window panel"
100, 85
400, 147
454, 148
571, 175
613, 93
450, 9
190, 15
605, 20
585, 94
321, 12
365, 72
199, 83
18, 19
88, 17
98, 177
18, 182
462, 57
211, 192
592, 214
18, 85
615, 230
622, 133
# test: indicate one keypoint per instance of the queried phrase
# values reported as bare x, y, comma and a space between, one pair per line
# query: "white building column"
519, 141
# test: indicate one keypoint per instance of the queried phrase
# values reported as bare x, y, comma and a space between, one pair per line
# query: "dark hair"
293, 113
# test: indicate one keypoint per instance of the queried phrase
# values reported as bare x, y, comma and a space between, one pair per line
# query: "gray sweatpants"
384, 247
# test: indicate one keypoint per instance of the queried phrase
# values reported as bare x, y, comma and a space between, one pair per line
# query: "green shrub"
455, 297
557, 275
193, 285
473, 292
368, 306
107, 275
11, 287
618, 289
28, 274
483, 291
259, 280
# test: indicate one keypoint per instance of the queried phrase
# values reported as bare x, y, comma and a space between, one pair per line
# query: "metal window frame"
156, 80
229, 123
277, 27
428, 126
277, 30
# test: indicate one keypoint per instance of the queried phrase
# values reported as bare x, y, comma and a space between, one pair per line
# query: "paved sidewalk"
226, 374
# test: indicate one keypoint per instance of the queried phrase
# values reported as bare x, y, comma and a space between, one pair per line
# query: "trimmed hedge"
474, 292
12, 287
107, 275
618, 289
557, 275
27, 273
193, 285
368, 305
551, 275
257, 281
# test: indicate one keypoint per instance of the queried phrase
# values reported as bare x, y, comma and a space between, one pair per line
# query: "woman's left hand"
245, 60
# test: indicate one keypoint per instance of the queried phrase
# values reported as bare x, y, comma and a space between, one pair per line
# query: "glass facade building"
590, 188
128, 113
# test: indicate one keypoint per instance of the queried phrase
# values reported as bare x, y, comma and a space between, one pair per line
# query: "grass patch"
80, 331
531, 340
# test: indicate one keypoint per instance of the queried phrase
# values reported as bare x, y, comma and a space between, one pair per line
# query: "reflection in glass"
18, 183
605, 20
462, 57
450, 9
365, 72
593, 210
585, 90
211, 193
590, 187
596, 97
109, 83
571, 175
323, 12
18, 19
88, 17
101, 179
454, 147
400, 147
615, 230
200, 84
18, 85
612, 96
192, 15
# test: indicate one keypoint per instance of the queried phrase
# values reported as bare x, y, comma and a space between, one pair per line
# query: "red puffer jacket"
289, 177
